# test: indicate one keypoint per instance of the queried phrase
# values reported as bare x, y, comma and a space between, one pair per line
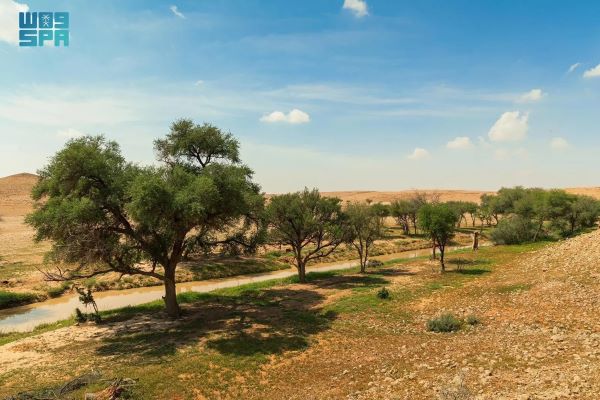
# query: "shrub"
55, 291
14, 299
444, 323
79, 316
383, 293
457, 390
472, 320
513, 230
374, 263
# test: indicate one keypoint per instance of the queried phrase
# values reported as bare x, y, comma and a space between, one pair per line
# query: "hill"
15, 193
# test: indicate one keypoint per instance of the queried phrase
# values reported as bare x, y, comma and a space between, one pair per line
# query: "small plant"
86, 297
383, 293
472, 320
80, 317
444, 323
457, 390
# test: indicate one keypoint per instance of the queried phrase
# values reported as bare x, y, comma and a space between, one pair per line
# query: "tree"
583, 213
108, 215
438, 221
418, 200
489, 208
401, 210
472, 209
310, 224
363, 226
382, 210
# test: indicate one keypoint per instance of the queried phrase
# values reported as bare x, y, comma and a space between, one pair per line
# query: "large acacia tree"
310, 224
104, 214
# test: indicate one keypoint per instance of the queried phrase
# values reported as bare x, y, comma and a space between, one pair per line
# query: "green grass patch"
12, 336
232, 267
14, 299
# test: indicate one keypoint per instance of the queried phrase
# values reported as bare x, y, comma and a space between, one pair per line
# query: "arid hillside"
15, 191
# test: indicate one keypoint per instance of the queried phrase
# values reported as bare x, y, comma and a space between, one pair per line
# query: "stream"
25, 318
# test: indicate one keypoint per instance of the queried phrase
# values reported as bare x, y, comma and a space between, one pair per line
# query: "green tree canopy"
363, 226
438, 221
104, 214
310, 224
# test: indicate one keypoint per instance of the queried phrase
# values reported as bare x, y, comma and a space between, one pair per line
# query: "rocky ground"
539, 339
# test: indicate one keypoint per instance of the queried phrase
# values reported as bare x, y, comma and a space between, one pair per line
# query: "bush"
444, 323
513, 230
374, 263
472, 320
383, 293
55, 291
80, 316
14, 299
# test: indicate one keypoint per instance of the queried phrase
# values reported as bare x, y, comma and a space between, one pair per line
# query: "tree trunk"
170, 298
363, 261
302, 272
433, 256
442, 250
300, 265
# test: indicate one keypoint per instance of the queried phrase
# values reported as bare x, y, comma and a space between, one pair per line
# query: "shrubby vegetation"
444, 323
524, 215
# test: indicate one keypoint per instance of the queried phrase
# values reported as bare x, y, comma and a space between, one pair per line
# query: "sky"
334, 94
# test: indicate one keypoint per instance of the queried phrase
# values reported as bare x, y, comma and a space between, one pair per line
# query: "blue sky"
335, 94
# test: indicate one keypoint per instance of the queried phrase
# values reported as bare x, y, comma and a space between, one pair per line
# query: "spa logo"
43, 29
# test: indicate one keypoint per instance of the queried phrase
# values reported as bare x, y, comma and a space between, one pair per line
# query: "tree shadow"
351, 282
467, 266
394, 272
269, 321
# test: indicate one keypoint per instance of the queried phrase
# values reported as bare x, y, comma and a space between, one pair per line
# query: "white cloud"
559, 143
573, 67
9, 20
177, 12
293, 117
69, 133
532, 96
418, 154
358, 7
199, 83
511, 126
592, 72
460, 143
